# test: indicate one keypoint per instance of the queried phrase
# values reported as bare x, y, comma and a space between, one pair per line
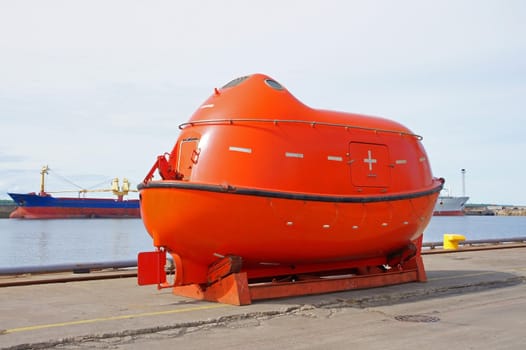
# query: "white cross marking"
369, 160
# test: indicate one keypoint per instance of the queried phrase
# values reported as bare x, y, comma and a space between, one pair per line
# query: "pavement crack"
113, 339
326, 308
419, 294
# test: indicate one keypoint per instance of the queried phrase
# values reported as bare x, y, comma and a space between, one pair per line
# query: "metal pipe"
478, 241
73, 267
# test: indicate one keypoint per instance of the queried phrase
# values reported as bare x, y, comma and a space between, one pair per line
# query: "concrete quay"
472, 300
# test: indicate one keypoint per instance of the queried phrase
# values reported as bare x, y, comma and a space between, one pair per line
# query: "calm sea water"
43, 242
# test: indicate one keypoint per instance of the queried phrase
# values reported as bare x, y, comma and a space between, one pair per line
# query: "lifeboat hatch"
369, 164
188, 156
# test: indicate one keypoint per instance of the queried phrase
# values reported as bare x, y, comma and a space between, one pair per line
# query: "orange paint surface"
257, 174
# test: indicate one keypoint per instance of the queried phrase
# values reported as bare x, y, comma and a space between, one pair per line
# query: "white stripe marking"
401, 161
207, 106
293, 155
335, 158
240, 149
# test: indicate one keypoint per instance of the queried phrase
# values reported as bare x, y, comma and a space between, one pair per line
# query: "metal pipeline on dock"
477, 242
67, 267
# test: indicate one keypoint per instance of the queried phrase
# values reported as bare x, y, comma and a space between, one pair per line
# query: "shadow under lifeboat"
260, 184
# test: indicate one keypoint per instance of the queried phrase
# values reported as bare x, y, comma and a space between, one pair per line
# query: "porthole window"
235, 82
273, 84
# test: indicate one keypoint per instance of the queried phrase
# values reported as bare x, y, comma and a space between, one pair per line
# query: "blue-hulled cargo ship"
43, 205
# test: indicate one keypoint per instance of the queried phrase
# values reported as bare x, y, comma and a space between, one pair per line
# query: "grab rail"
311, 123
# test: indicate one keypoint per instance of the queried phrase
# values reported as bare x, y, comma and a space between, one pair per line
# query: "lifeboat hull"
279, 233
270, 187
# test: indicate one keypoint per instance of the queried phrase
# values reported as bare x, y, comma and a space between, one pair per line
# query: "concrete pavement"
474, 299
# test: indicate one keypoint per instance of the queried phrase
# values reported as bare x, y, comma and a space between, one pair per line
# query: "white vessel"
450, 206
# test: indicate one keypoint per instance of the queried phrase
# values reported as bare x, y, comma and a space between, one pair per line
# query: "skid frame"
228, 282
235, 288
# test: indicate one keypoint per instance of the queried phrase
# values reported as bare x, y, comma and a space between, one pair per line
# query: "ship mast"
43, 172
463, 171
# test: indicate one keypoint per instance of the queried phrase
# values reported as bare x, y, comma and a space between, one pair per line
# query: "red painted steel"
151, 268
449, 213
71, 213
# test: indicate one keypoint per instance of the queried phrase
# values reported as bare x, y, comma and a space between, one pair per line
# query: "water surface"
44, 242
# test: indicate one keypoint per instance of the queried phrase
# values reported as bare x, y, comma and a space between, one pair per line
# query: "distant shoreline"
6, 209
7, 206
496, 210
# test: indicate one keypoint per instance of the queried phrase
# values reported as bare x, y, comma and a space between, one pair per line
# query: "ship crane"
116, 189
120, 192
43, 173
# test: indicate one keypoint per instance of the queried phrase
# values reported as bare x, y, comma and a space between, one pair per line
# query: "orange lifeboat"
261, 186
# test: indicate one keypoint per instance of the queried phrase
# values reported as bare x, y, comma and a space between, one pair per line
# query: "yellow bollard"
451, 241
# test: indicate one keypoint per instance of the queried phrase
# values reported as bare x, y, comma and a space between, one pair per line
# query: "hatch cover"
188, 156
369, 164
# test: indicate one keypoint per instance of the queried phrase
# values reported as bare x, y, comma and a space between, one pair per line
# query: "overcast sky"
97, 89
